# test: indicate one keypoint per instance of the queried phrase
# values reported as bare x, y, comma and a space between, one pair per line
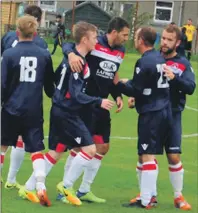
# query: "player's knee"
147, 157
20, 138
102, 149
90, 150
173, 159
4, 148
77, 149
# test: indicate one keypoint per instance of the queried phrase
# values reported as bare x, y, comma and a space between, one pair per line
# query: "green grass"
116, 180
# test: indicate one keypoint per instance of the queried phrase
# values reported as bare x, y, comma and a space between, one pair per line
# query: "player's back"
155, 94
26, 66
10, 40
62, 75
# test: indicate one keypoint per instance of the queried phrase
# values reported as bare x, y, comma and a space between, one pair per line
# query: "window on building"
163, 12
79, 2
48, 5
111, 6
105, 6
121, 9
48, 2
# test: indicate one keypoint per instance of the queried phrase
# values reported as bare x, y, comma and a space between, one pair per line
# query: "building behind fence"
163, 13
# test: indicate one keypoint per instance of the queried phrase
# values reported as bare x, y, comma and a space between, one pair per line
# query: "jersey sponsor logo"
147, 91
105, 74
174, 148
137, 70
107, 70
75, 75
108, 66
144, 146
78, 140
119, 56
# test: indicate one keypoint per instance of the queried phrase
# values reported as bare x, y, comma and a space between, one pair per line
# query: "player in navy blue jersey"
10, 40
67, 129
25, 70
182, 83
150, 89
104, 62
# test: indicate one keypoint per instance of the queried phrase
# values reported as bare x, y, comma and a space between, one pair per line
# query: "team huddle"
79, 116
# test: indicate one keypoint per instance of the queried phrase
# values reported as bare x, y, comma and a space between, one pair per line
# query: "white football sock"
39, 170
90, 172
148, 181
16, 158
68, 162
78, 164
155, 187
176, 174
49, 163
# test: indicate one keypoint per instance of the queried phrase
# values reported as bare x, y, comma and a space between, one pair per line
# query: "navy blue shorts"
153, 131
30, 128
98, 122
173, 144
67, 129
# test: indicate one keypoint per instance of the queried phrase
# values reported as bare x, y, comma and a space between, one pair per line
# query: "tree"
135, 20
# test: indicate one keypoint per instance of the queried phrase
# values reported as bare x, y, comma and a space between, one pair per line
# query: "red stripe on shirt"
180, 66
101, 48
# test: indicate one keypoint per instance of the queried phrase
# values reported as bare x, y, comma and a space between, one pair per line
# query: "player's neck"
25, 39
82, 49
110, 40
145, 49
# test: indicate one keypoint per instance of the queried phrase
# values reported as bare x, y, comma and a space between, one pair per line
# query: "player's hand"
107, 104
168, 73
120, 104
131, 102
124, 80
75, 62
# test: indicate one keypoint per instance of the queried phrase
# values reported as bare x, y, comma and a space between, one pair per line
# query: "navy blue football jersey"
149, 86
11, 39
104, 61
183, 83
25, 69
70, 93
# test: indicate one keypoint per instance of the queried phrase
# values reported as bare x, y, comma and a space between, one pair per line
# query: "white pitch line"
190, 108
135, 138
190, 136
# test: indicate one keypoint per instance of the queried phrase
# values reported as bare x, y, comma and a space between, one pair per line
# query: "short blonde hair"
81, 29
27, 25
